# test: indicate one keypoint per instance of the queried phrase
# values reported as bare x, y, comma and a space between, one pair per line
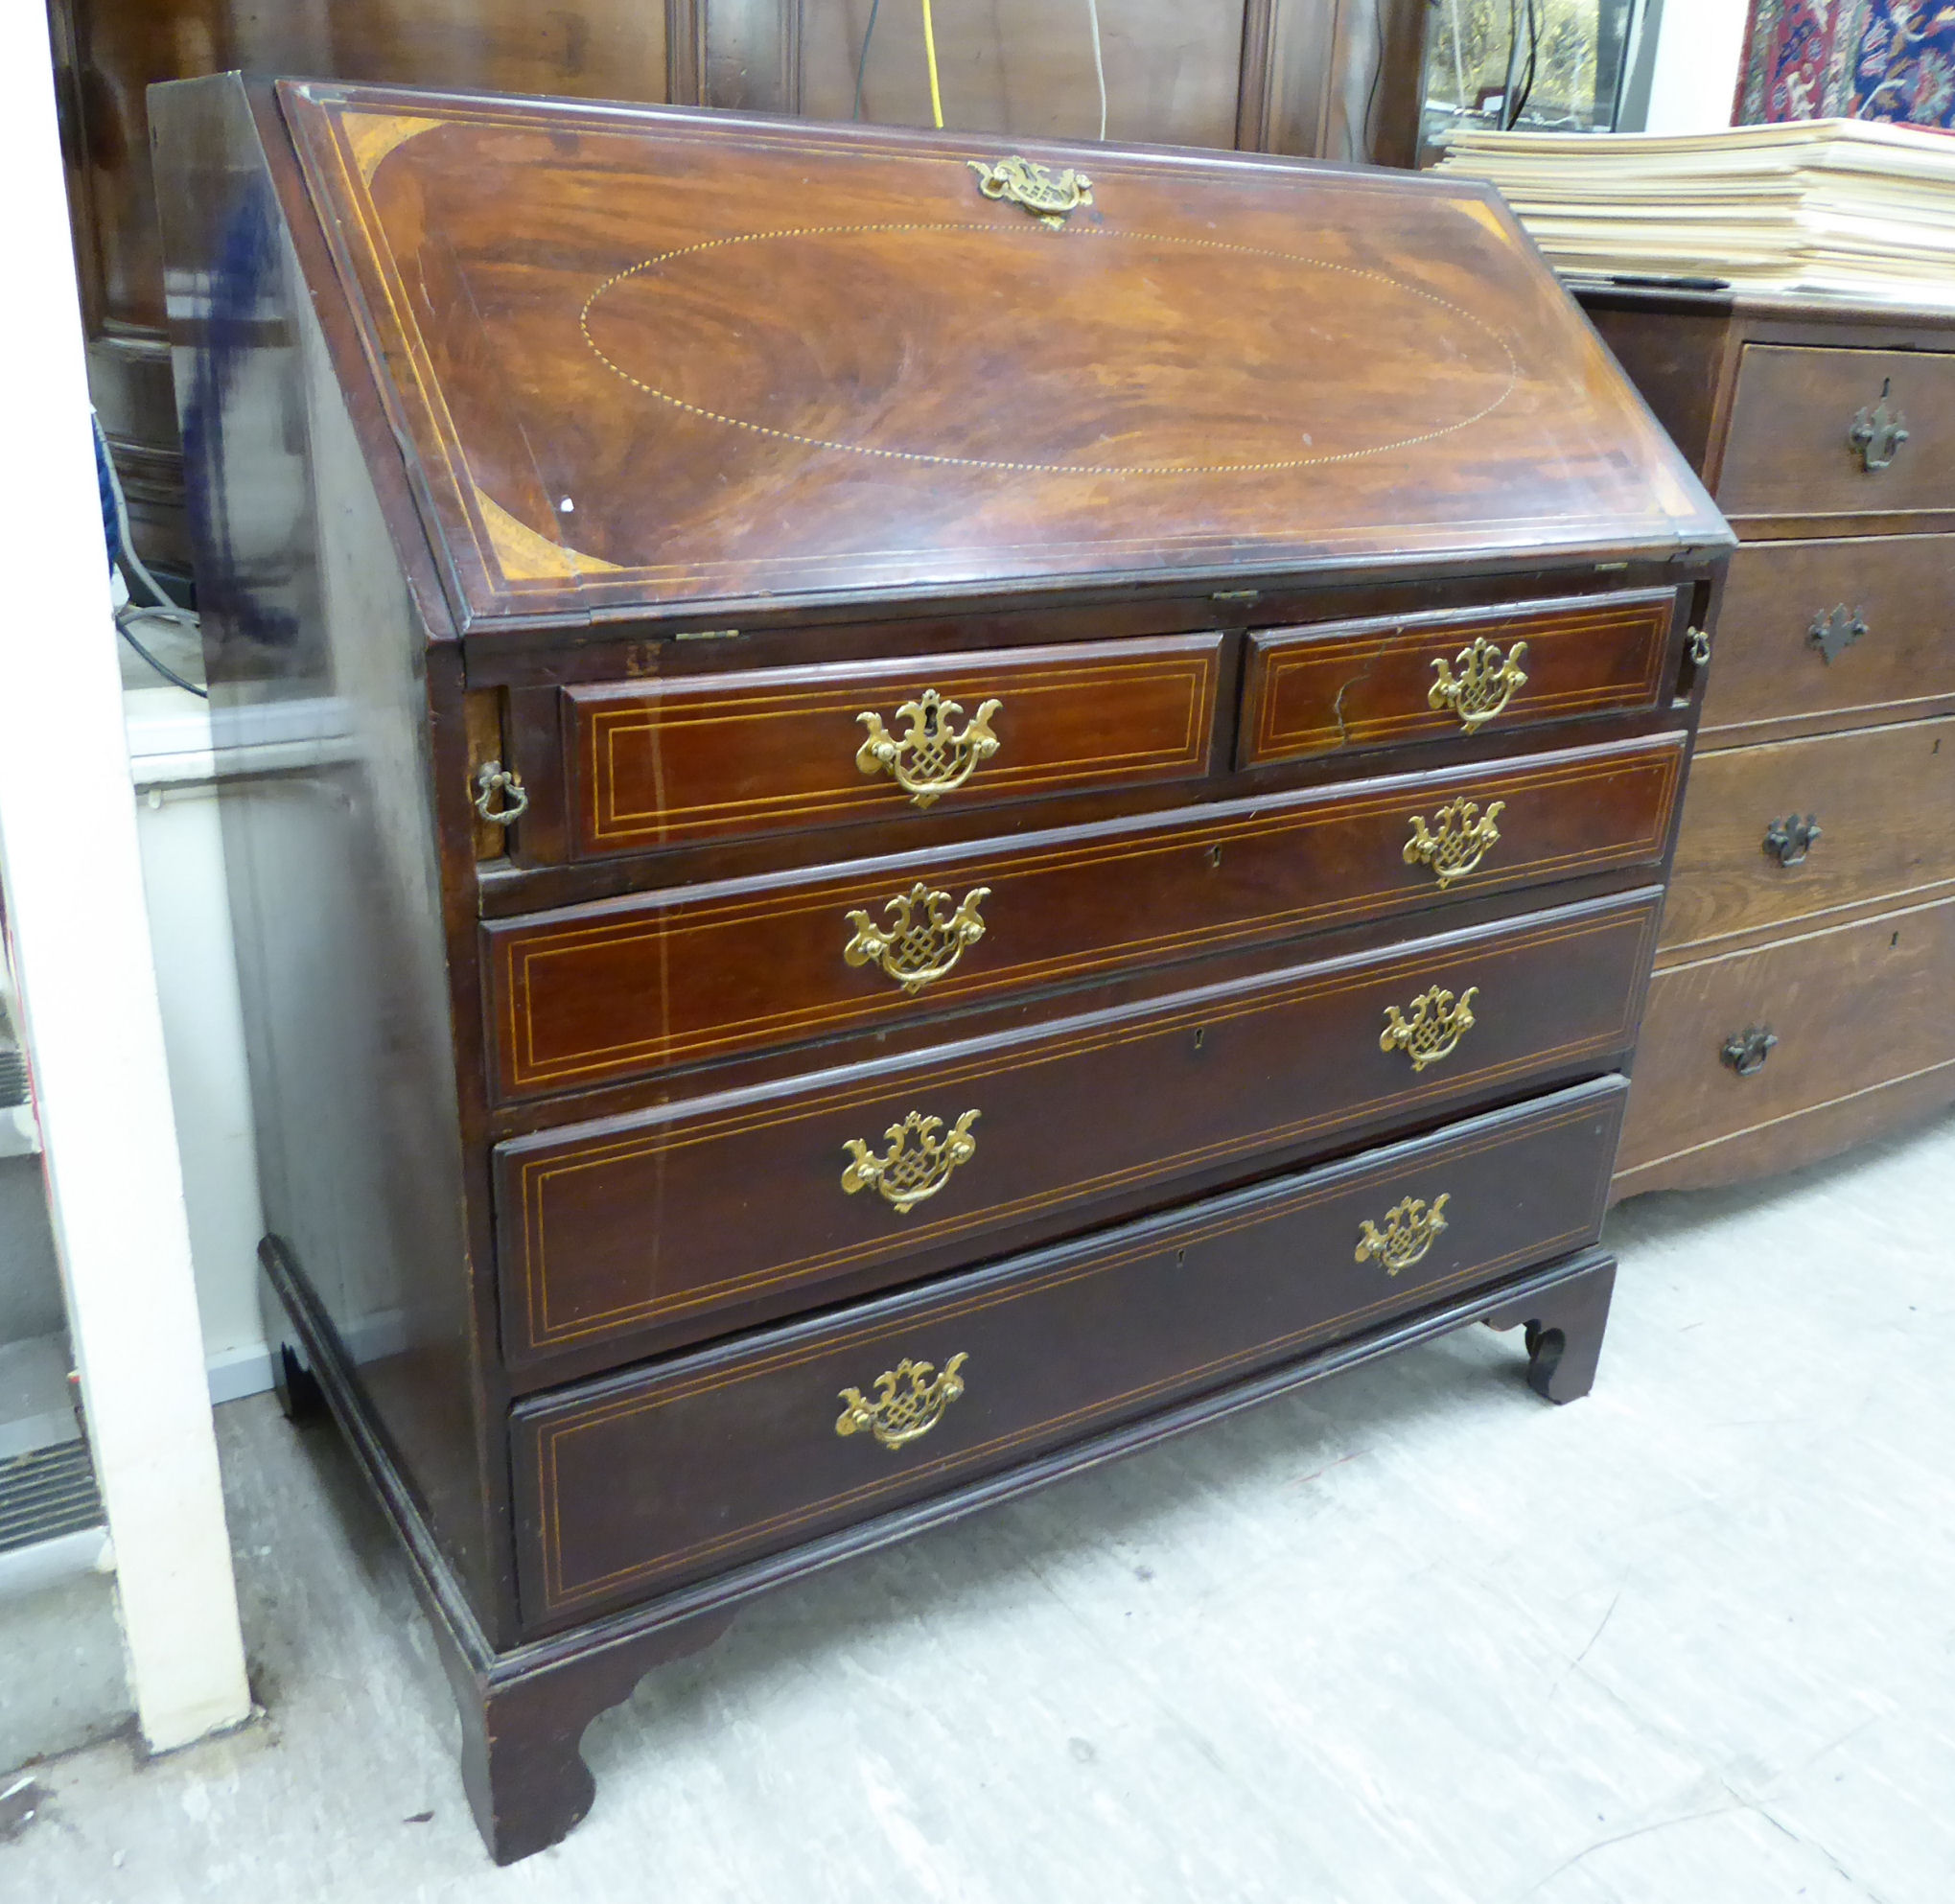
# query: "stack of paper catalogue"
1843, 205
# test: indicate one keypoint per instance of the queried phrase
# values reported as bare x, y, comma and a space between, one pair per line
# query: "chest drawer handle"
910, 1401
923, 937
1411, 1229
1833, 632
1747, 1052
1436, 1028
1791, 839
918, 1163
500, 797
1486, 682
1877, 431
1463, 838
928, 759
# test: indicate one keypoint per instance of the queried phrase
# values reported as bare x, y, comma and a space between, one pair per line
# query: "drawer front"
1311, 691
1883, 800
666, 1221
1850, 1009
664, 1476
1826, 631
1789, 450
671, 762
620, 990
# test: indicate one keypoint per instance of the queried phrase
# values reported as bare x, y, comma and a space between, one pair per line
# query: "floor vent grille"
47, 1494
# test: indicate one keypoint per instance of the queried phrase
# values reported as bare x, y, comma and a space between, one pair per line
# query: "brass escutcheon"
1486, 682
923, 936
918, 1163
1463, 838
910, 1401
1409, 1230
1047, 195
1434, 1028
928, 760
1877, 431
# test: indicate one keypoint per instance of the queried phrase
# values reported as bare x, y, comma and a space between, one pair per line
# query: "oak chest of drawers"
1807, 957
896, 820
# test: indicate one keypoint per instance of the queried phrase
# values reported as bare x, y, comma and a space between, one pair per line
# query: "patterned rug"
1892, 60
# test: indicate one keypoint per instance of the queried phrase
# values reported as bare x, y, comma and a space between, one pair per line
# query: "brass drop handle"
1462, 837
1412, 1226
500, 797
1486, 682
918, 1163
929, 757
1877, 431
1836, 631
910, 1401
922, 937
1747, 1052
1790, 840
1437, 1023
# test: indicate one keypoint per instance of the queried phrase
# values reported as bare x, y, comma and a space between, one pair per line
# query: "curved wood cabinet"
847, 912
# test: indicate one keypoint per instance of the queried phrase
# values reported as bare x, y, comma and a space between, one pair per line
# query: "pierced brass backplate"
923, 936
928, 760
1462, 838
1409, 1230
1045, 193
1433, 1030
910, 1399
1486, 682
918, 1163
1877, 431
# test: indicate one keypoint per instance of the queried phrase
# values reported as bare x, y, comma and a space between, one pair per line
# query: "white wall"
1695, 77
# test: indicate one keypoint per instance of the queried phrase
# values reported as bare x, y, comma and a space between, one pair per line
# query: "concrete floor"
1410, 1634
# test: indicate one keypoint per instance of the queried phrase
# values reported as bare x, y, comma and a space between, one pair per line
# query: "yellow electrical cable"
930, 54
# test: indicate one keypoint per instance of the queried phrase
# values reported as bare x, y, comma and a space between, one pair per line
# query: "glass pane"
1479, 47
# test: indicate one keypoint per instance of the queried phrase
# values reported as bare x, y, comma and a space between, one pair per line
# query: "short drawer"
765, 1200
1881, 798
1826, 632
622, 988
661, 1475
665, 763
1311, 691
1790, 449
1736, 1044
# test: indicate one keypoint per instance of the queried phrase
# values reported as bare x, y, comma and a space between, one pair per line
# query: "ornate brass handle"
500, 797
928, 760
1045, 193
1747, 1052
1836, 631
1791, 839
1877, 431
918, 1163
1410, 1228
1486, 682
1433, 1030
923, 936
910, 1401
1462, 839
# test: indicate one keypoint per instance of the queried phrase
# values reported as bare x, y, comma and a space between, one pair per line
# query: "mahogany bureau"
897, 820
1806, 964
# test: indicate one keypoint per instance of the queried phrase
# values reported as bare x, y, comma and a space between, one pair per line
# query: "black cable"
1376, 73
1513, 65
862, 64
1526, 91
169, 674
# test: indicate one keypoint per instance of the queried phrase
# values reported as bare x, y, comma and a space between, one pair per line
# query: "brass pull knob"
1698, 642
923, 936
1877, 431
1463, 838
1486, 682
927, 759
1433, 1030
500, 797
1411, 1229
918, 1163
1791, 839
1836, 631
1747, 1052
910, 1401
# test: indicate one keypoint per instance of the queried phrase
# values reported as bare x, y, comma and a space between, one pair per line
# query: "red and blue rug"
1892, 60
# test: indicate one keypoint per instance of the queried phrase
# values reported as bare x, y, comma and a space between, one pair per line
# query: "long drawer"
664, 1475
1850, 628
622, 988
1811, 1021
1882, 798
768, 1199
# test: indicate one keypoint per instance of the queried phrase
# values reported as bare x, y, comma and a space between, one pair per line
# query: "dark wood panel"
670, 762
683, 1468
625, 987
665, 1218
1883, 799
1309, 691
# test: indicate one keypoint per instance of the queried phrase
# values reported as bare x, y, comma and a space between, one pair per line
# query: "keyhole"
1181, 1257
1215, 853
1199, 1034
1936, 749
1893, 941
